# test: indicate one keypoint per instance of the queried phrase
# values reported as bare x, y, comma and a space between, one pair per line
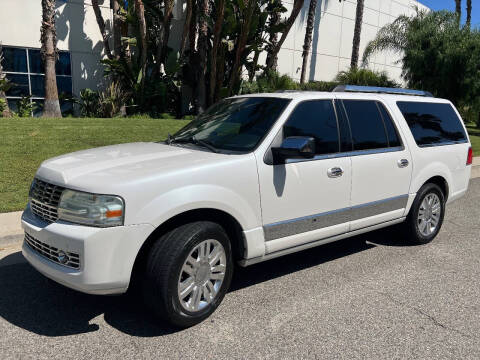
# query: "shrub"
25, 107
89, 103
3, 106
365, 77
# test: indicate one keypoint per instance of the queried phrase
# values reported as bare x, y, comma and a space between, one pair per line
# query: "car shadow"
34, 303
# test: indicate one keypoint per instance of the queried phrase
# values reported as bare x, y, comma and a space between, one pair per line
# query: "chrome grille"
44, 199
71, 260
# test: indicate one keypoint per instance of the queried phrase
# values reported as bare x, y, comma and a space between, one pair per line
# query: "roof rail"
381, 90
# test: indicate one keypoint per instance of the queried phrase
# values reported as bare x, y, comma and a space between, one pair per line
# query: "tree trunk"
101, 26
220, 72
469, 13
142, 25
242, 42
117, 29
251, 73
164, 33
273, 39
458, 8
297, 6
49, 56
308, 38
216, 43
6, 111
186, 27
202, 55
356, 35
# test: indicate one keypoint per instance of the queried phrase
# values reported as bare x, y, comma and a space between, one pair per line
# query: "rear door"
381, 164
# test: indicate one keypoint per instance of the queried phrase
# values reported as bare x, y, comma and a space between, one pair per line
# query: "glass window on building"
24, 68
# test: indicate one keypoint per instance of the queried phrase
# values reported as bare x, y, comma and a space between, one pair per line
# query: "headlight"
90, 209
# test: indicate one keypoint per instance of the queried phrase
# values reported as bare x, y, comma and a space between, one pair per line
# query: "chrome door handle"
402, 163
335, 172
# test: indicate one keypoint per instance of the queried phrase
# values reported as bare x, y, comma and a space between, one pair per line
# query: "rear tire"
426, 215
188, 272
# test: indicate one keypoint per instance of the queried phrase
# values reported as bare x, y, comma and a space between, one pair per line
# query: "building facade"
81, 45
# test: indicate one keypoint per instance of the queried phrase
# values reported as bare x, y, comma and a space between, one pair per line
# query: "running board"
247, 262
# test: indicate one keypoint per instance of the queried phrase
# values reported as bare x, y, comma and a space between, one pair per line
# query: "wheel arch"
441, 182
230, 224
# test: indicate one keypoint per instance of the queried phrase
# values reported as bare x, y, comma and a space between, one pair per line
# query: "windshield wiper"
194, 140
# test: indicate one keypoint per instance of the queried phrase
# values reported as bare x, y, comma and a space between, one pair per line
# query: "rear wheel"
188, 272
426, 214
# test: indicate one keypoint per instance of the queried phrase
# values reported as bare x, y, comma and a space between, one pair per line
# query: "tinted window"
14, 60
368, 130
344, 127
36, 64
20, 85
432, 123
393, 138
316, 119
63, 64
234, 124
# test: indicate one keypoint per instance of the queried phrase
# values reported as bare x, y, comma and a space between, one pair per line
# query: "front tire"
426, 214
188, 273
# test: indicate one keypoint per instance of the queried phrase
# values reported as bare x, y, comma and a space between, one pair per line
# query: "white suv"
253, 178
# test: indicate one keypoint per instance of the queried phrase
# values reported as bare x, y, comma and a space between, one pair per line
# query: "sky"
450, 5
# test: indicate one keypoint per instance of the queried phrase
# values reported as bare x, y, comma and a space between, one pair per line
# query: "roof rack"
381, 90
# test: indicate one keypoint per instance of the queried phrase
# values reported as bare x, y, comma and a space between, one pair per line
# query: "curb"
11, 230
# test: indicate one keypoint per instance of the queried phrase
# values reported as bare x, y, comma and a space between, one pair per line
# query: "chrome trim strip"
330, 218
349, 153
255, 260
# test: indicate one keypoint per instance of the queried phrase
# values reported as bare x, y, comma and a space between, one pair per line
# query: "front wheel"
426, 214
188, 273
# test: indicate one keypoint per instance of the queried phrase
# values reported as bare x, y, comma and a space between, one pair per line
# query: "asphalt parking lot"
369, 297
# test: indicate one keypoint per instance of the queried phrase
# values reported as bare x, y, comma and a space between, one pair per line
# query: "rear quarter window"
432, 123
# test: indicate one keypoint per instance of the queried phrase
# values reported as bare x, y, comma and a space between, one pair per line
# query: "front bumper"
106, 255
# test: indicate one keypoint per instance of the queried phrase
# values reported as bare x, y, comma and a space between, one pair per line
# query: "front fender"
179, 200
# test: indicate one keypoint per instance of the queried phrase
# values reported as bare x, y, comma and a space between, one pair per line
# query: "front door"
307, 200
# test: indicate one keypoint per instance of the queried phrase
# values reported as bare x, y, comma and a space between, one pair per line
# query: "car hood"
106, 166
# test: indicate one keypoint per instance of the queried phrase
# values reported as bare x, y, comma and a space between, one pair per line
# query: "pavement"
369, 297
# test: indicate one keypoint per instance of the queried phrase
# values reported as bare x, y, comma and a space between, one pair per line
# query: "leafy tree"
365, 77
437, 55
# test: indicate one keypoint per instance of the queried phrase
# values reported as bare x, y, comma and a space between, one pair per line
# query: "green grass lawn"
26, 142
474, 134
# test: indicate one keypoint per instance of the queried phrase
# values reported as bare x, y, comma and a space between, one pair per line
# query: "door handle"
402, 163
335, 172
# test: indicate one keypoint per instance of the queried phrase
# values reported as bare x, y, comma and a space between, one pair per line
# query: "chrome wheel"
429, 214
202, 275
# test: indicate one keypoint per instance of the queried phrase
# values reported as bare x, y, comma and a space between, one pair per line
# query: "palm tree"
458, 8
308, 38
203, 41
49, 55
356, 34
142, 27
469, 12
272, 58
220, 11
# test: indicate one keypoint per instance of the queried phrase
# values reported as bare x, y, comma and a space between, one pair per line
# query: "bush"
365, 77
3, 106
25, 107
89, 103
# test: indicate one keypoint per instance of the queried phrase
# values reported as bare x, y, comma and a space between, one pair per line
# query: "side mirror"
294, 147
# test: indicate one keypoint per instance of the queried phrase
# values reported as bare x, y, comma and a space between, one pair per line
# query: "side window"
432, 123
366, 123
393, 137
315, 118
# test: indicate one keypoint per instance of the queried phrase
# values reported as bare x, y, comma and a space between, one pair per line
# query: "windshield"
236, 124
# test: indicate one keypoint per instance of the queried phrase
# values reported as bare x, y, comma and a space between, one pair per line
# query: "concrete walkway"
11, 230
